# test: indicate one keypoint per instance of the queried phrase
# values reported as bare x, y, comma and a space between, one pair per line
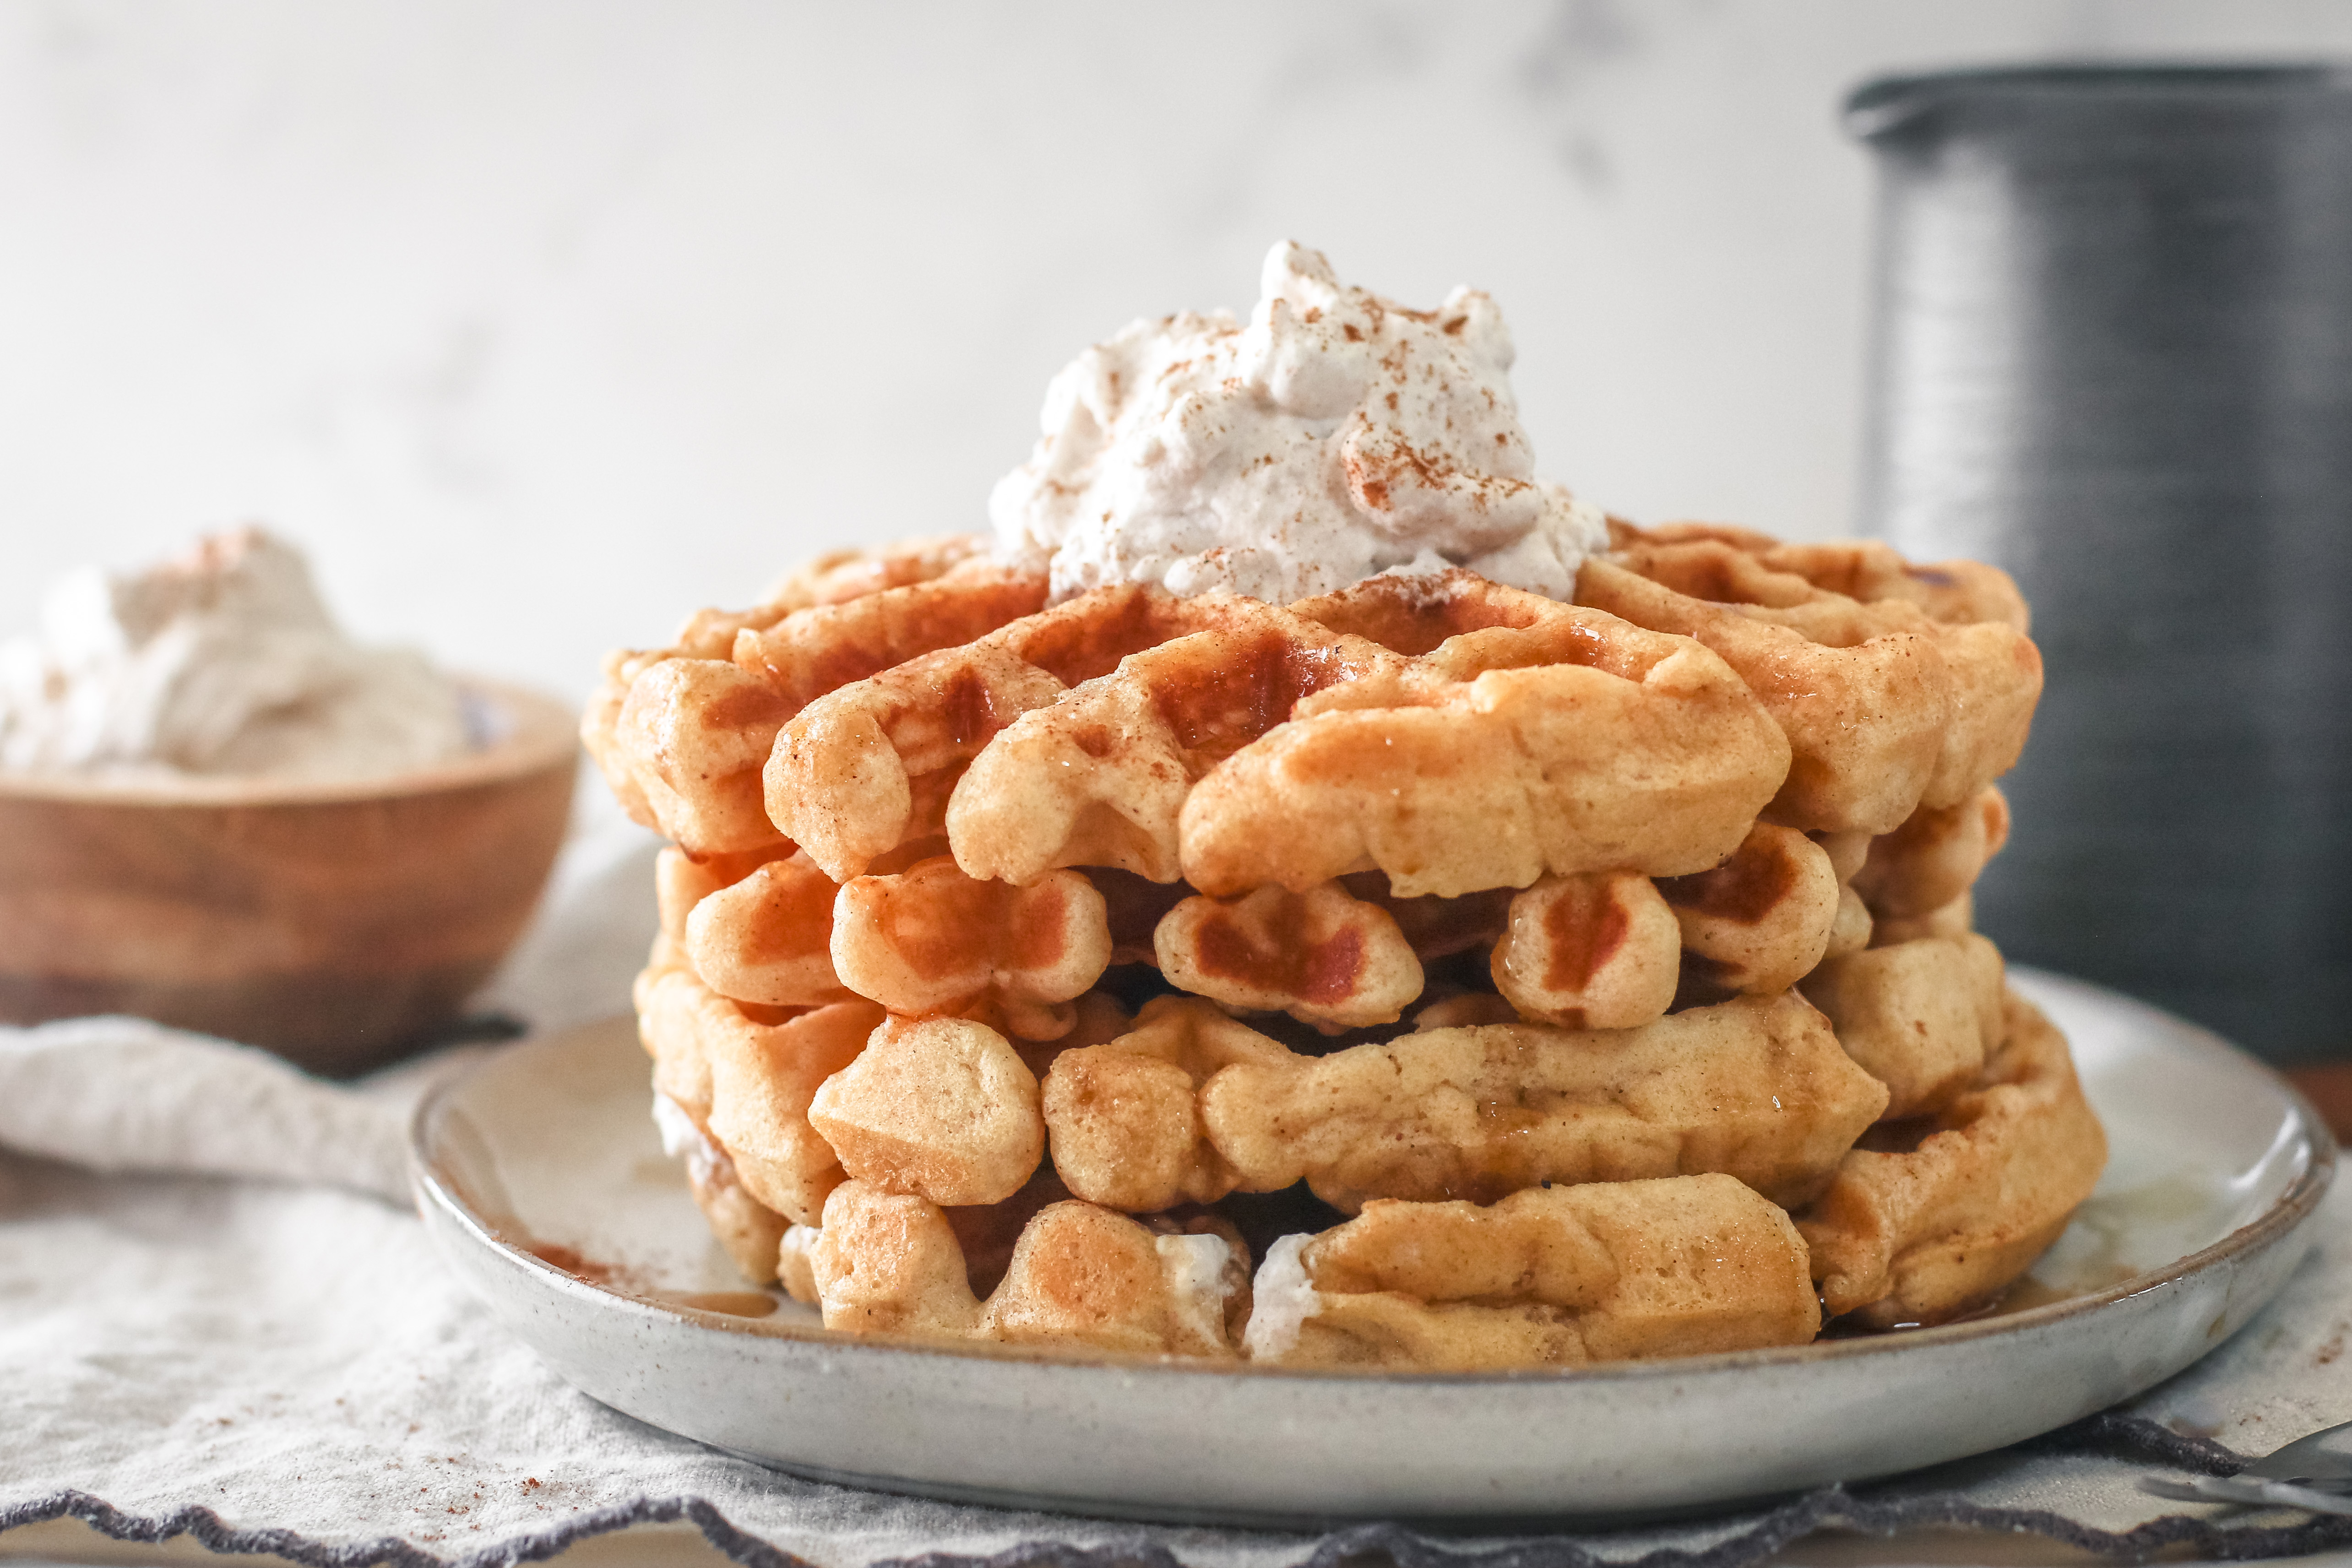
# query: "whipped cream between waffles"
1338, 435
221, 661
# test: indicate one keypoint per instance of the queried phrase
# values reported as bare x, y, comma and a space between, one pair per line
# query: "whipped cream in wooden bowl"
218, 811
224, 661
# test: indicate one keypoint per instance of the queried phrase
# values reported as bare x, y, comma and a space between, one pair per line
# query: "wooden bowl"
334, 924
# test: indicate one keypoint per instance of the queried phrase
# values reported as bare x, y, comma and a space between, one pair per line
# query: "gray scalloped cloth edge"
2131, 1439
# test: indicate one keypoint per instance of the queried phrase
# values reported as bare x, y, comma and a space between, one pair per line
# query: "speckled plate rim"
2295, 1205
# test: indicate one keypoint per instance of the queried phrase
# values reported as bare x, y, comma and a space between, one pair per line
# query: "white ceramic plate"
546, 1151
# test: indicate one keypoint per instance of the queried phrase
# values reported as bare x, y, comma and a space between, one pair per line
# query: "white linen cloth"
213, 1297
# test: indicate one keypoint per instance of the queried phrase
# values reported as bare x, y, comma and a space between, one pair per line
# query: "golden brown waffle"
682, 733
1547, 1277
1921, 693
1933, 858
1078, 1276
1323, 956
767, 937
1598, 951
747, 1082
1757, 1088
1509, 736
1928, 1221
1623, 919
1238, 745
1192, 1105
1920, 1016
930, 940
939, 1108
1762, 920
873, 763
1124, 1115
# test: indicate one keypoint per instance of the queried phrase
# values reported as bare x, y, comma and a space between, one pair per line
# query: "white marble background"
543, 321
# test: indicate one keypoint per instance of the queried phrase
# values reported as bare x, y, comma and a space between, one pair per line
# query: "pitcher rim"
1883, 105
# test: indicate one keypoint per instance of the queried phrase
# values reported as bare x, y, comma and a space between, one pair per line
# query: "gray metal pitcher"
2114, 355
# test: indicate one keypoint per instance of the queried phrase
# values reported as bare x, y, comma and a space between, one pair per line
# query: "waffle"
1530, 737
1579, 945
1921, 1017
1761, 920
1551, 1276
746, 1082
1323, 957
1756, 1088
1931, 1219
683, 733
1598, 951
1079, 1275
1933, 859
930, 940
1124, 1116
1193, 738
874, 762
1896, 687
937, 1108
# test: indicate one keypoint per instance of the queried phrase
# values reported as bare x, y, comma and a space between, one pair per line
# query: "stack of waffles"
1426, 974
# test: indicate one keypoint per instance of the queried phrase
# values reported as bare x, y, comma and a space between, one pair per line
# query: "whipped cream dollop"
1338, 437
1282, 1297
704, 1160
221, 661
1201, 1276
